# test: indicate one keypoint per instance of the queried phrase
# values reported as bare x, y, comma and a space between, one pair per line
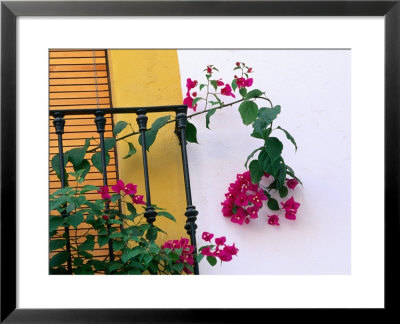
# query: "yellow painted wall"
150, 78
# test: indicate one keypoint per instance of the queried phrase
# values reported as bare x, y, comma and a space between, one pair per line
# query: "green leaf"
70, 208
202, 86
118, 245
191, 133
199, 257
288, 136
273, 204
248, 111
59, 258
102, 240
234, 85
98, 206
273, 147
265, 163
132, 150
151, 233
151, 134
115, 197
61, 191
173, 256
268, 115
98, 265
109, 143
178, 267
96, 161
57, 244
82, 169
283, 191
113, 265
55, 163
167, 215
88, 244
88, 188
208, 115
243, 92
211, 260
280, 179
75, 219
256, 172
119, 127
254, 94
55, 222
251, 155
126, 256
214, 84
196, 100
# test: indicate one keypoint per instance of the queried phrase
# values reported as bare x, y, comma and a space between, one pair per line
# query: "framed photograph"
131, 96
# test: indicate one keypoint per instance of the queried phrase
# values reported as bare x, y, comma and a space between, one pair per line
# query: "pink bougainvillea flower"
248, 82
220, 83
290, 207
273, 220
231, 249
249, 70
241, 199
238, 218
227, 91
186, 256
292, 183
207, 236
227, 211
243, 83
206, 251
209, 70
258, 198
188, 101
190, 85
130, 189
253, 212
194, 94
119, 186
224, 256
237, 63
220, 240
104, 193
138, 199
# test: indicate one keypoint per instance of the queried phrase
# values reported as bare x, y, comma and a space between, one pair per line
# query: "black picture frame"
10, 10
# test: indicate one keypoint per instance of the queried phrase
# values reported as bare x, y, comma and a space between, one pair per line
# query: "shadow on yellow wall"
151, 78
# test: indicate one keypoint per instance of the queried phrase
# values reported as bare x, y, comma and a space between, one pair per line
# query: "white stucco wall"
313, 89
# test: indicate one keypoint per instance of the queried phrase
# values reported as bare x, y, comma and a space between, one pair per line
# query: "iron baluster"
100, 121
150, 214
191, 212
59, 123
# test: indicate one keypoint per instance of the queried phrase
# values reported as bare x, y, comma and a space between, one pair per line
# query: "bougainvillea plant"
133, 240
269, 178
268, 181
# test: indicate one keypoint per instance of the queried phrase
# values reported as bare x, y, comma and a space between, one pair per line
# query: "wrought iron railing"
150, 213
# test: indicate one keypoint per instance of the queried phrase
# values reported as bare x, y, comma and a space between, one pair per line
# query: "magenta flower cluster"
225, 88
221, 250
243, 199
129, 189
186, 256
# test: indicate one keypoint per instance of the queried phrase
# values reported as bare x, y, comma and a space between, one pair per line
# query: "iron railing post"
150, 214
191, 212
59, 123
100, 121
